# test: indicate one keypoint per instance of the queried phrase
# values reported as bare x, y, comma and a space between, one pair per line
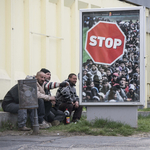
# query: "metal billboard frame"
141, 10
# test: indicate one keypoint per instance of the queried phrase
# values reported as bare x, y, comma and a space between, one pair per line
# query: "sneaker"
44, 125
24, 129
50, 125
55, 123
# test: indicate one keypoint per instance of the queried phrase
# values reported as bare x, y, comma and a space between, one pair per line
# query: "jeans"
22, 114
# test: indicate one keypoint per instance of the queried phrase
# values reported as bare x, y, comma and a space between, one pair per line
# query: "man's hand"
64, 84
53, 102
76, 104
52, 98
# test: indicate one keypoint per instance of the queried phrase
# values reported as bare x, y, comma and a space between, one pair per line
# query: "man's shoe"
44, 125
24, 129
55, 123
50, 125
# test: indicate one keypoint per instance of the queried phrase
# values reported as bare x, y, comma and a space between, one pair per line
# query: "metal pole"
36, 124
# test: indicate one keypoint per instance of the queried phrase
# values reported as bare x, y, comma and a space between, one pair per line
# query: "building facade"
45, 33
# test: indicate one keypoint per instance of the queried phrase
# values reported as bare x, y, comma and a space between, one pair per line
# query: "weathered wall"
42, 33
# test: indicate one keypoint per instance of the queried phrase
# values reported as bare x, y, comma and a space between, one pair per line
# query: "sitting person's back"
10, 97
11, 104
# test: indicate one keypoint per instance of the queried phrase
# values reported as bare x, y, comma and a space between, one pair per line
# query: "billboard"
112, 50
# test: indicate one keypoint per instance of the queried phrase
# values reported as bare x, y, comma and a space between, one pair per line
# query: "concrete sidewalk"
73, 143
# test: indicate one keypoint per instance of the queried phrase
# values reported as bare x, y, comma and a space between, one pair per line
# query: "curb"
8, 117
12, 118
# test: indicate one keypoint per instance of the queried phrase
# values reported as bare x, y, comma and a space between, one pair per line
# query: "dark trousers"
43, 109
47, 112
55, 114
70, 107
22, 114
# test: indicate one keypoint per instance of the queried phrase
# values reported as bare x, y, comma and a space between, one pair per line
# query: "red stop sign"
105, 42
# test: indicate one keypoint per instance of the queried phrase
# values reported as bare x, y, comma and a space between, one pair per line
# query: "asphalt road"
33, 142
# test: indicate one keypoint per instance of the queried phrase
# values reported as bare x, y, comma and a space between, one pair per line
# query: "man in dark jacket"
68, 97
11, 104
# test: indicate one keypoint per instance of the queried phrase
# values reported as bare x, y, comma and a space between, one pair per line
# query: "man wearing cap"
55, 116
131, 95
43, 110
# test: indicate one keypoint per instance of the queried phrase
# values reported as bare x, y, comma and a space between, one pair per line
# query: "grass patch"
7, 126
1, 109
143, 123
144, 109
97, 127
104, 127
84, 108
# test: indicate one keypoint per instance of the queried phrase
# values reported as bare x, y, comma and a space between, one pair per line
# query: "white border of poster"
138, 50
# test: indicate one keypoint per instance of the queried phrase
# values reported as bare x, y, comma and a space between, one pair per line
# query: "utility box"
27, 90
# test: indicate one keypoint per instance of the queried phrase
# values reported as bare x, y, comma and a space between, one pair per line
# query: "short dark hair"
71, 74
123, 77
45, 70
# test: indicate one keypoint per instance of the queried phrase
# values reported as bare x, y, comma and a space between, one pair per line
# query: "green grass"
104, 127
97, 127
7, 126
144, 124
84, 108
144, 109
1, 109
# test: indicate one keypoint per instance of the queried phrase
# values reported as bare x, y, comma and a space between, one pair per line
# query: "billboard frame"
142, 55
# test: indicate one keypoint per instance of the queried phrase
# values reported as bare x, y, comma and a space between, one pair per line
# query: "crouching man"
11, 104
68, 97
45, 100
55, 115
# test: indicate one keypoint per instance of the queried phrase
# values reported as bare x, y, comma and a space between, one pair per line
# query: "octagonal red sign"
105, 42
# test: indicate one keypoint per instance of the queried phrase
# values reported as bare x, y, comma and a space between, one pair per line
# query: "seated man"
43, 110
55, 115
68, 97
11, 104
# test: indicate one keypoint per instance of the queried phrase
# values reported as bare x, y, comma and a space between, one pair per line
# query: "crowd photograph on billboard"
102, 79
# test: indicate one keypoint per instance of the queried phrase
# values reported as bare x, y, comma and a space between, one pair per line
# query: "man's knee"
40, 103
50, 117
12, 108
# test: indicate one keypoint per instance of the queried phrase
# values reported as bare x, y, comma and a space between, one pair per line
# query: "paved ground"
57, 142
